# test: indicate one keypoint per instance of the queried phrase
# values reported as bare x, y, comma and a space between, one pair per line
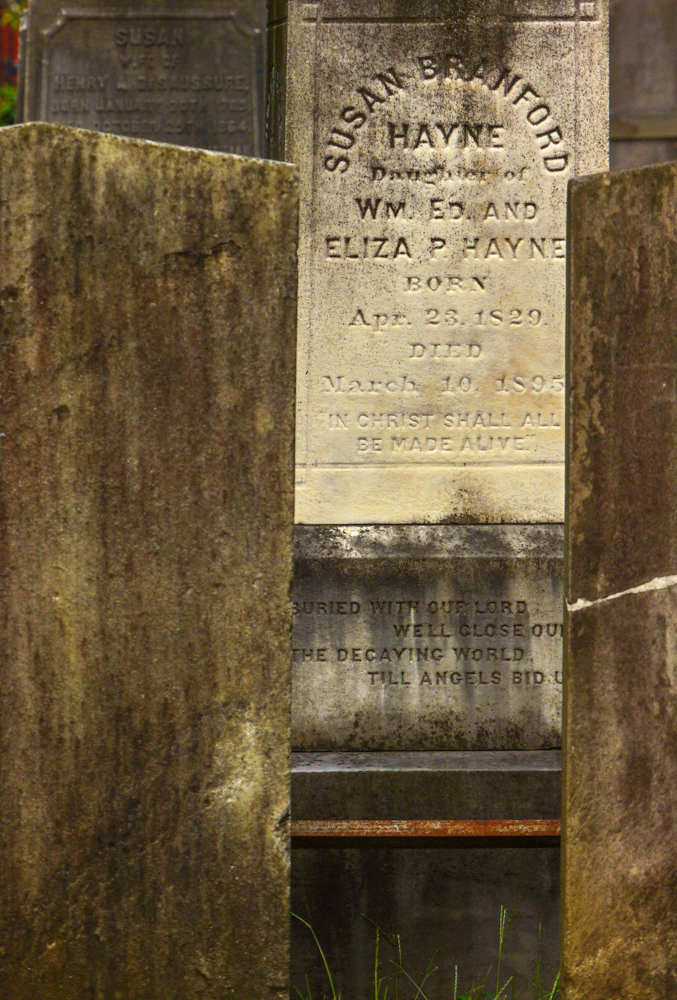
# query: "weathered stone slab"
435, 140
620, 775
513, 784
147, 336
427, 638
155, 69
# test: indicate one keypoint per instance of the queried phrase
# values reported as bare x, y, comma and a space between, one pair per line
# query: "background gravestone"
146, 448
431, 323
619, 935
155, 69
435, 141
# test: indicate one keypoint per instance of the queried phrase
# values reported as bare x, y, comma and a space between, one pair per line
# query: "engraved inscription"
451, 135
480, 663
191, 80
432, 260
501, 224
486, 631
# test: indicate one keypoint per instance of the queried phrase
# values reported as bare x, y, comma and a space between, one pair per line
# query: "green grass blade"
419, 986
555, 988
479, 990
379, 929
376, 990
324, 959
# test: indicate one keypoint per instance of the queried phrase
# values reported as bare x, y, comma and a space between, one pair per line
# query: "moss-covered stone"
147, 307
619, 934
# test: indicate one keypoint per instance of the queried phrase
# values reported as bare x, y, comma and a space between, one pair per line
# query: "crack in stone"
658, 583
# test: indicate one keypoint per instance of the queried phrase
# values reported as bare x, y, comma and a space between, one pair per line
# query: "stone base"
479, 785
445, 902
442, 895
422, 637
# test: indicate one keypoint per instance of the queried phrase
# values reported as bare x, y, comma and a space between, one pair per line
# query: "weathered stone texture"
435, 140
620, 776
623, 422
147, 336
426, 637
191, 74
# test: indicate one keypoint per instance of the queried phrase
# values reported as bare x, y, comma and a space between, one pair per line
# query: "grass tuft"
479, 990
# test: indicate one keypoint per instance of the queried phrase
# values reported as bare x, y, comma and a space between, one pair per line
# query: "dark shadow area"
443, 898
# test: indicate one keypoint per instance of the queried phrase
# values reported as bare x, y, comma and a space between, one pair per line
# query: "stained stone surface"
427, 638
147, 332
190, 74
514, 784
620, 777
435, 140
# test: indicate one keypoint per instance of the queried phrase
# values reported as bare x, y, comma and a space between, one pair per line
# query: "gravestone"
435, 140
620, 801
146, 447
192, 75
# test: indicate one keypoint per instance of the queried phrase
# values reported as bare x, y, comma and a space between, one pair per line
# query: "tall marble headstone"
146, 432
619, 935
189, 74
435, 141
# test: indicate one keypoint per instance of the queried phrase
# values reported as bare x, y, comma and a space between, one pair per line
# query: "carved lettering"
436, 248
415, 642
154, 78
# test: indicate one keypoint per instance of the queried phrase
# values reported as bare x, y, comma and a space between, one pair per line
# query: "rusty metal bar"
426, 828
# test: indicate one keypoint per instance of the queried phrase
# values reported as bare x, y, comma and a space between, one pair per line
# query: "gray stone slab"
455, 786
146, 443
445, 760
427, 638
435, 140
620, 781
191, 74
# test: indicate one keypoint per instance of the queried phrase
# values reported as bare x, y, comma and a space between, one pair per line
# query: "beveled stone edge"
55, 129
427, 541
608, 177
445, 760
